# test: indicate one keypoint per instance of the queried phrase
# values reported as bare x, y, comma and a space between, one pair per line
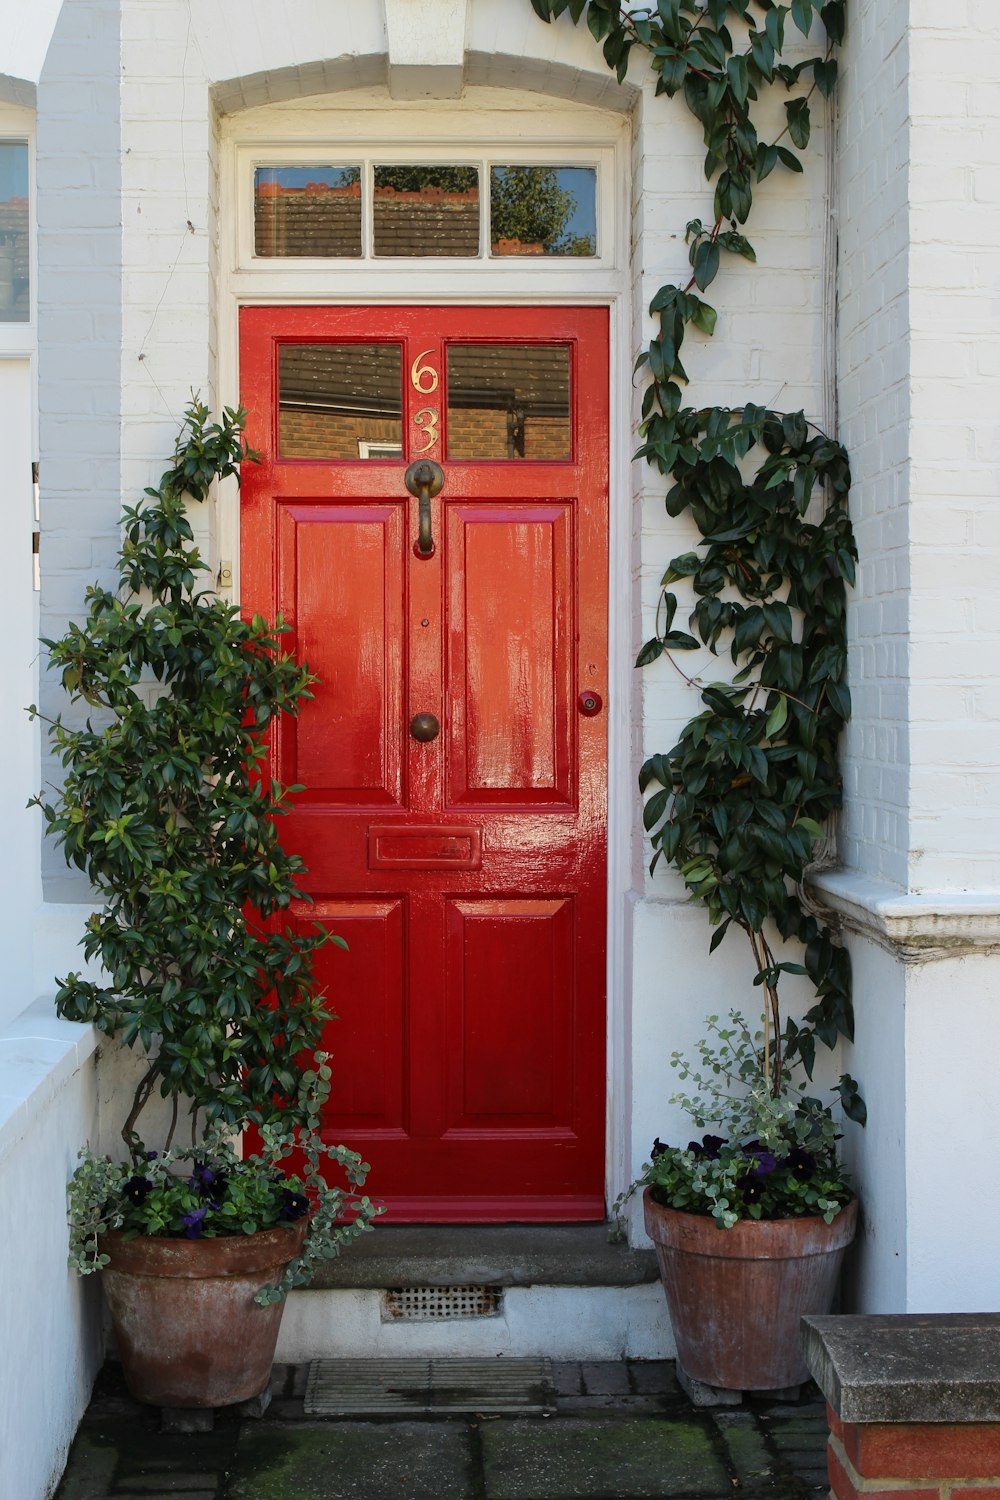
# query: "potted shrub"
738, 806
164, 806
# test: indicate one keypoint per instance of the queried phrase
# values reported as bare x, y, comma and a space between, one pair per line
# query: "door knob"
424, 727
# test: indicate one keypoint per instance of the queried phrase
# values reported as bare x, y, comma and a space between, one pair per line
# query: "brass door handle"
424, 479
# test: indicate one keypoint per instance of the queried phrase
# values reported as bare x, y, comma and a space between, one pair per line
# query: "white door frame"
560, 135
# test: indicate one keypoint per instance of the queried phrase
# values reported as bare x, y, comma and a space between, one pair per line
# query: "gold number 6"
419, 374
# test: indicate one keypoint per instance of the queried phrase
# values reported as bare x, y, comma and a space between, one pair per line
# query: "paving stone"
604, 1377
566, 1377
651, 1377
89, 1471
166, 1482
345, 1460
572, 1458
653, 1405
748, 1452
144, 1494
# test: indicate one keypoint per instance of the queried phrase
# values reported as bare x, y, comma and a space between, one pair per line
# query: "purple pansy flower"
193, 1223
137, 1190
293, 1205
709, 1146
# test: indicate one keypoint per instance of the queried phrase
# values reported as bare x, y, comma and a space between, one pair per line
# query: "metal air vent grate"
384, 1387
423, 1303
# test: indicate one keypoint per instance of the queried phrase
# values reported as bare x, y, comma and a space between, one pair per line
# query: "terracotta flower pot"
736, 1295
189, 1332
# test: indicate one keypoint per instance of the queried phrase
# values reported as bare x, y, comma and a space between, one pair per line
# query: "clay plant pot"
189, 1332
736, 1295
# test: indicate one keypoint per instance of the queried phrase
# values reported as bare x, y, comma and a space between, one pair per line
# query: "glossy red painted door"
468, 872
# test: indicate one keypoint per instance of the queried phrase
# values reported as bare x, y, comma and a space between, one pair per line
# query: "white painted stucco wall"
49, 1320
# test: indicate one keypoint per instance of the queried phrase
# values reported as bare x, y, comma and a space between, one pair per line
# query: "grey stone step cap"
907, 1367
499, 1254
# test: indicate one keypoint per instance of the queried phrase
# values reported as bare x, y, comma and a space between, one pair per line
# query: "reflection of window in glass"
340, 400
426, 210
14, 241
543, 211
307, 211
508, 401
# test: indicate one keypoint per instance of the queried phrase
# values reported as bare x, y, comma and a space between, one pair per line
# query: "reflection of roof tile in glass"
14, 269
368, 377
317, 220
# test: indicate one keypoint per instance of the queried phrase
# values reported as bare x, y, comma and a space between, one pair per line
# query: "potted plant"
738, 806
750, 1225
164, 806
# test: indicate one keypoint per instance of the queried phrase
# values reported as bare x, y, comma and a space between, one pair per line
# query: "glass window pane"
340, 401
543, 211
14, 243
307, 211
508, 401
426, 210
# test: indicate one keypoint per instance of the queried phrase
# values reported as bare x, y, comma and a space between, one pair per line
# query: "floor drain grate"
423, 1303
352, 1387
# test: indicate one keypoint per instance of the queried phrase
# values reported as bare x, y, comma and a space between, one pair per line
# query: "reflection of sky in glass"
581, 184
300, 177
13, 170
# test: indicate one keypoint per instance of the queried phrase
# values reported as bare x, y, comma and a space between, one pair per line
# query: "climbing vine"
738, 804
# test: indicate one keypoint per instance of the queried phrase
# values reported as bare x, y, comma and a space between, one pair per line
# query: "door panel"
510, 645
341, 581
467, 871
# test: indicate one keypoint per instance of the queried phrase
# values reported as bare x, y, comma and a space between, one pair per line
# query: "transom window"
380, 209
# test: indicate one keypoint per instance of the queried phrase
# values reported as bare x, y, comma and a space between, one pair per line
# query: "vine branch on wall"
738, 804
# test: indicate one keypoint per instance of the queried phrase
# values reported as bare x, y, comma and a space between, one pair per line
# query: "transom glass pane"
426, 210
508, 401
340, 401
307, 211
543, 211
14, 241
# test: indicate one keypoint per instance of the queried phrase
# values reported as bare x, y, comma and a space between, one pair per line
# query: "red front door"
467, 868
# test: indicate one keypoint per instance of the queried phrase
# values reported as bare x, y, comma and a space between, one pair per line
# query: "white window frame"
369, 154
17, 127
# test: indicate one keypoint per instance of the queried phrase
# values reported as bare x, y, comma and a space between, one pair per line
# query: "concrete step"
562, 1291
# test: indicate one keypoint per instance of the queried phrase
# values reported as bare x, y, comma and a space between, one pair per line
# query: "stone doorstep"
412, 1255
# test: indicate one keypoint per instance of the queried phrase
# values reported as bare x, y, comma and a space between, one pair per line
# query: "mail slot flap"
391, 847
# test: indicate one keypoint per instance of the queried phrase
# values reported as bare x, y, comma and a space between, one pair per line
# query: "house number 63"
424, 378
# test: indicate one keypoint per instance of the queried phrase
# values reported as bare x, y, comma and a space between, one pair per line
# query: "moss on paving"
573, 1458
348, 1460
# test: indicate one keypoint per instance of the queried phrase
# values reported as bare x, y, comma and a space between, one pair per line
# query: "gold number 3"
423, 378
428, 419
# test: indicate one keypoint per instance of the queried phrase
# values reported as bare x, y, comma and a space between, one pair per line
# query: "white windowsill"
916, 926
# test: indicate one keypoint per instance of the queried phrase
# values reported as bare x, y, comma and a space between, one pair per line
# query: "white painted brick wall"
920, 173
79, 335
955, 453
874, 412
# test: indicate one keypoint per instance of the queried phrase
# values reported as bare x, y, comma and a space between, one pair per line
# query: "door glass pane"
543, 211
307, 211
508, 401
14, 298
426, 210
340, 401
